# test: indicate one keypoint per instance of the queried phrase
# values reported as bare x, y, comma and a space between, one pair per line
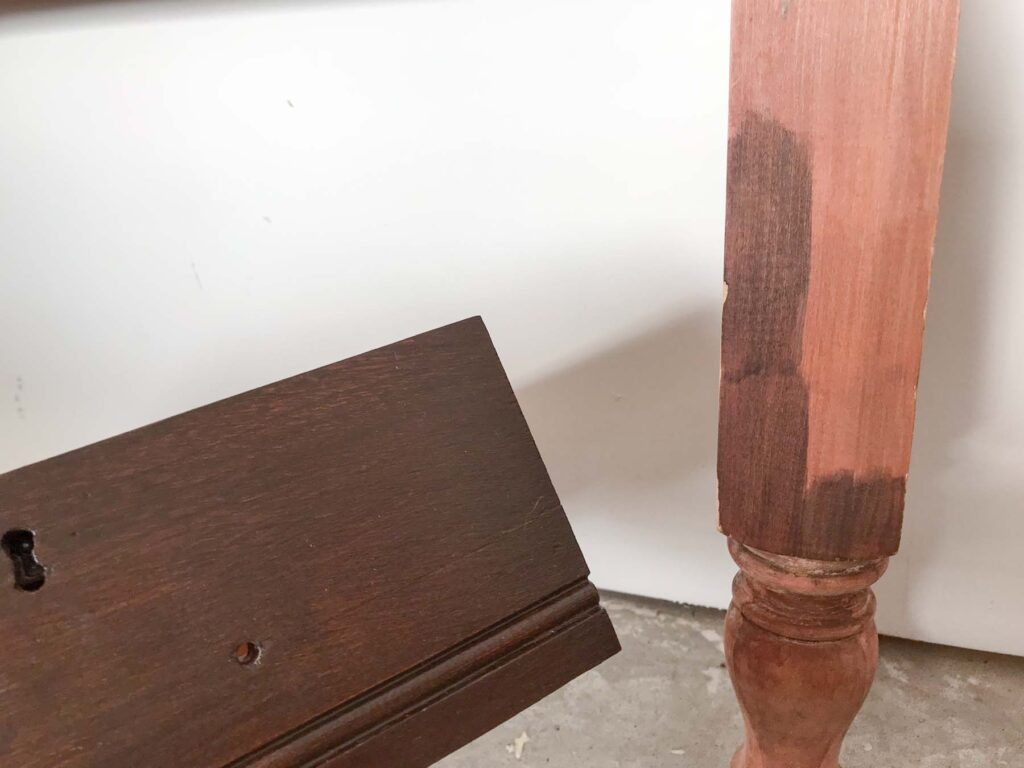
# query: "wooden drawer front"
381, 530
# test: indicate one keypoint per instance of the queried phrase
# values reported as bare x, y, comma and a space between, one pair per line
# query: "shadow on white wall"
641, 414
964, 501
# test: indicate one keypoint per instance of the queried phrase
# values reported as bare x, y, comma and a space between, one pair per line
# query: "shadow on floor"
666, 701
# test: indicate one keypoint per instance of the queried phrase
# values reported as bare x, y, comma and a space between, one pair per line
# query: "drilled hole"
19, 545
248, 653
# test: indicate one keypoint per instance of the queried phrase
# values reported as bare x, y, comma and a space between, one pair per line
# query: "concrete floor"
666, 700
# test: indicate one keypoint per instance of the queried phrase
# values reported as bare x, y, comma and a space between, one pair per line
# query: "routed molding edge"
470, 689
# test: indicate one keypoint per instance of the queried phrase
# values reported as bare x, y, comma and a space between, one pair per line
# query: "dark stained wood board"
837, 133
383, 530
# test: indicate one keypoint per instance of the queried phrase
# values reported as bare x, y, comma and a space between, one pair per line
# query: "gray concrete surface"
666, 700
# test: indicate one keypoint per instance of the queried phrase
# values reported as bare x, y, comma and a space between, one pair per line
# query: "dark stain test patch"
768, 250
762, 445
763, 427
862, 519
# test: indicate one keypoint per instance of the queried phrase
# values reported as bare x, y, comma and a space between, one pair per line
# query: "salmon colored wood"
837, 131
801, 647
363, 566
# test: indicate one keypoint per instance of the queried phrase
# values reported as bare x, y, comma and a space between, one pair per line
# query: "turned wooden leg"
801, 647
837, 128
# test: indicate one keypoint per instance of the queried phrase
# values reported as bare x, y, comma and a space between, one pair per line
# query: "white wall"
197, 198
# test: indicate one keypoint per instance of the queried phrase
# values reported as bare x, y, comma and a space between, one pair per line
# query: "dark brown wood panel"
837, 130
382, 530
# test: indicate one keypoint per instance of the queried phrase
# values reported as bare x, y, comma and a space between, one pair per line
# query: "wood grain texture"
383, 529
838, 120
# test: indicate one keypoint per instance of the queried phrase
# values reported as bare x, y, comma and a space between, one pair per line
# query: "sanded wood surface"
837, 130
382, 531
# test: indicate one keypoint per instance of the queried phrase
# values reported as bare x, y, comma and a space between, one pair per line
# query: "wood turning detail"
837, 131
802, 648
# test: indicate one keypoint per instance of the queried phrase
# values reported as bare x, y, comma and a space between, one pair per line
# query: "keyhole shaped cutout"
29, 573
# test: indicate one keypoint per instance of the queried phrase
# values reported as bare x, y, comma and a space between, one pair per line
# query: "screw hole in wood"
248, 653
19, 545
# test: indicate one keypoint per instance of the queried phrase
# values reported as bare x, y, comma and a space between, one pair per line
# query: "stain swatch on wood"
763, 419
763, 411
838, 115
365, 565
